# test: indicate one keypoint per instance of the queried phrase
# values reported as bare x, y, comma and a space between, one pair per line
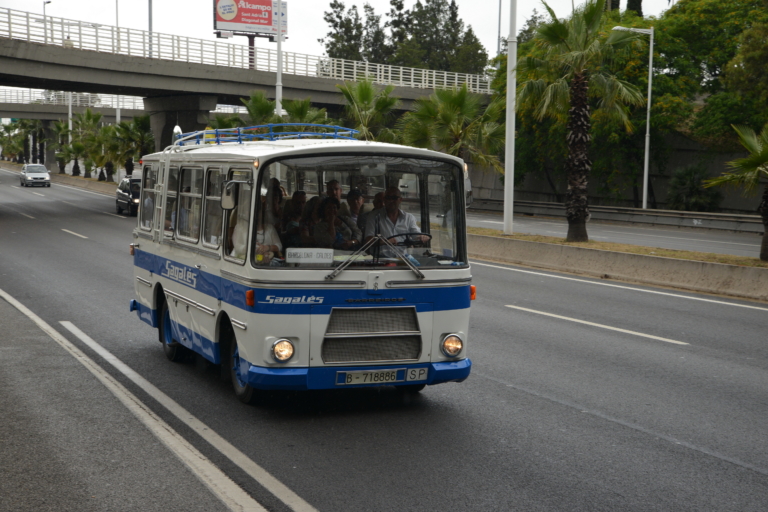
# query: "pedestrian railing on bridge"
86, 99
82, 35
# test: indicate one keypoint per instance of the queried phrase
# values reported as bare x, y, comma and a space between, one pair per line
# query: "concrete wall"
685, 152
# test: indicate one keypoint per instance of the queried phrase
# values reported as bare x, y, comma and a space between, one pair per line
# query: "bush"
687, 192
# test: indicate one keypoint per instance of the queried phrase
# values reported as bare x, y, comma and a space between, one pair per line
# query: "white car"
35, 174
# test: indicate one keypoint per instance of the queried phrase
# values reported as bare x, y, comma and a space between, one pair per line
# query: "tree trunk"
763, 210
76, 168
635, 5
577, 166
62, 165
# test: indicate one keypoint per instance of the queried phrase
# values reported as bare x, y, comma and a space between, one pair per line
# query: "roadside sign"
251, 16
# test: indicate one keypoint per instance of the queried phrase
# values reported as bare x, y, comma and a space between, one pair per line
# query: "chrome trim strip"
373, 363
190, 302
371, 334
238, 324
144, 281
262, 283
429, 284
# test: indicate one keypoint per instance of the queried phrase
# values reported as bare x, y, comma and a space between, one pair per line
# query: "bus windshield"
376, 211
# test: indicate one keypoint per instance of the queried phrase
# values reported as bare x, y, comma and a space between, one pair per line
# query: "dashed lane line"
73, 233
601, 326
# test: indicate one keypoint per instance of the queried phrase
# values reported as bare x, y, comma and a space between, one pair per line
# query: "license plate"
382, 376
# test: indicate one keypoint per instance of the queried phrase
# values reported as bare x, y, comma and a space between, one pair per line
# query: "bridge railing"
86, 99
141, 43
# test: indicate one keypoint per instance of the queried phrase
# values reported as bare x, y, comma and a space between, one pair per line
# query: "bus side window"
238, 220
148, 198
190, 204
171, 201
213, 212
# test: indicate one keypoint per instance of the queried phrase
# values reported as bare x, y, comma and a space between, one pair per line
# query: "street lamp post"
509, 157
45, 21
279, 78
648, 114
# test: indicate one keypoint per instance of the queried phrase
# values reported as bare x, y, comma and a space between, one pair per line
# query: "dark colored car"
34, 174
127, 195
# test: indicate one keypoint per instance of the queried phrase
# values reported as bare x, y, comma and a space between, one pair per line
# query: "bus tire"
244, 391
174, 350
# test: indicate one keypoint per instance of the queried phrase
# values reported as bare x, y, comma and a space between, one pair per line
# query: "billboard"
252, 16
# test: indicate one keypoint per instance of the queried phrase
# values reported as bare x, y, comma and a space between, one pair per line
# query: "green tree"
636, 6
134, 139
260, 109
748, 173
456, 122
302, 111
224, 121
560, 84
687, 191
60, 140
369, 109
345, 38
747, 72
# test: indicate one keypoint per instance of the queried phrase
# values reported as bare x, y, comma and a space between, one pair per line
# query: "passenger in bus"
292, 219
147, 211
353, 206
267, 244
332, 231
333, 189
274, 203
378, 203
391, 220
308, 221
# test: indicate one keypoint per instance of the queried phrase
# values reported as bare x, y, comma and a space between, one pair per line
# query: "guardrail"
141, 43
86, 99
724, 221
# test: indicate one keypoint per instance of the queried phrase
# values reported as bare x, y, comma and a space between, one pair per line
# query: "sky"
194, 18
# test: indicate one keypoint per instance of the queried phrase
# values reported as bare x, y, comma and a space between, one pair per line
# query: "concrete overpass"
182, 79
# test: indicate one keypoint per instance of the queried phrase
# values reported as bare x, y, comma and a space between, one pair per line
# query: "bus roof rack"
265, 132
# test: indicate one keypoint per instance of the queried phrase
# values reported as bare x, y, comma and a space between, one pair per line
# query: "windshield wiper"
352, 257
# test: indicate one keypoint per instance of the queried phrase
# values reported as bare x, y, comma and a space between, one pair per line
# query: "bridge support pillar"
189, 112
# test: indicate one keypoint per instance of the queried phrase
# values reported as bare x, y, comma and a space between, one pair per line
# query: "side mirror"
228, 195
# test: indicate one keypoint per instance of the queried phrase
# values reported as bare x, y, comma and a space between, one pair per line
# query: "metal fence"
81, 35
86, 99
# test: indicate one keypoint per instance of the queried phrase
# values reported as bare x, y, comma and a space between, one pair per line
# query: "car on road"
127, 195
34, 174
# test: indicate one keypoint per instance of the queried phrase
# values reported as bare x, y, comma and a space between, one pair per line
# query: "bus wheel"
174, 351
244, 391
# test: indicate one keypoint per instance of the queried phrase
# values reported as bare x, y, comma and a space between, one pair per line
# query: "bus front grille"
372, 320
368, 335
371, 349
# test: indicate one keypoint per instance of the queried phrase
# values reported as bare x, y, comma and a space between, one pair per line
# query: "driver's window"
148, 198
238, 219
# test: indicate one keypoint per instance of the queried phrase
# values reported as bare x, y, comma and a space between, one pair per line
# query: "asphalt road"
585, 395
682, 239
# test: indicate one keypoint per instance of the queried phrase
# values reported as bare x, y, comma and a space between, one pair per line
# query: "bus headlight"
282, 350
452, 345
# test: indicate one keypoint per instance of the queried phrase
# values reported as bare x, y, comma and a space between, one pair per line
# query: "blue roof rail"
266, 132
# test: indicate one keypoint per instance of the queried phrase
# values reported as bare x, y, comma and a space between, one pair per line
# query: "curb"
715, 278
104, 187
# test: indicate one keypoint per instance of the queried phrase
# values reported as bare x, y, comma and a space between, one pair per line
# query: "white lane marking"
625, 423
231, 494
601, 326
682, 238
114, 215
14, 186
24, 214
70, 204
492, 222
77, 189
277, 488
620, 286
39, 194
73, 233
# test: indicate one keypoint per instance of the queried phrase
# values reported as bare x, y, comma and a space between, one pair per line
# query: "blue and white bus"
304, 260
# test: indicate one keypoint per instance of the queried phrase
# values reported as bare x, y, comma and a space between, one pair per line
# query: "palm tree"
369, 110
560, 84
61, 136
260, 109
302, 111
74, 151
748, 173
134, 139
456, 122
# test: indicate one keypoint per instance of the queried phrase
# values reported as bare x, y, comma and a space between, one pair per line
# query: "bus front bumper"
329, 377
